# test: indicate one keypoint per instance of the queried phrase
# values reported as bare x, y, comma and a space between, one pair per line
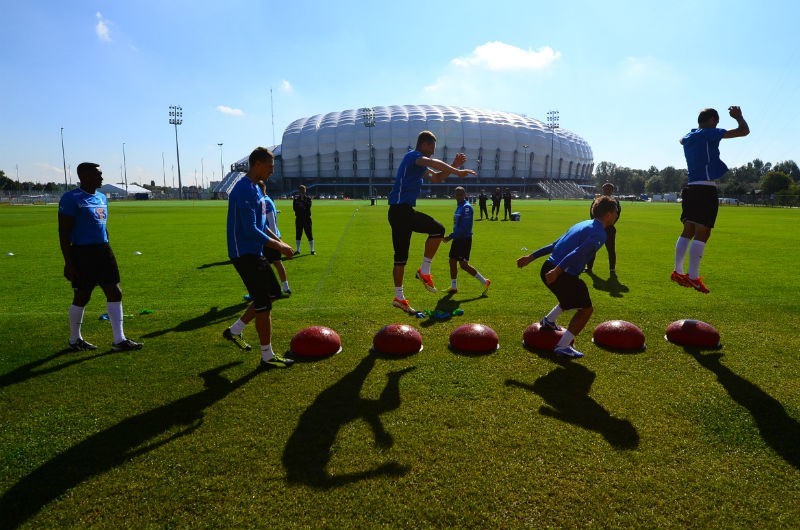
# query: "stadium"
356, 152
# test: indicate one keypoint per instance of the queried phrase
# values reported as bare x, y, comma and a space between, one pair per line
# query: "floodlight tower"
552, 124
368, 115
221, 166
525, 175
125, 165
64, 159
176, 118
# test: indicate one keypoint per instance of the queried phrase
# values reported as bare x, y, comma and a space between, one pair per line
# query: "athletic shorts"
259, 280
699, 205
404, 220
271, 254
570, 290
460, 249
94, 265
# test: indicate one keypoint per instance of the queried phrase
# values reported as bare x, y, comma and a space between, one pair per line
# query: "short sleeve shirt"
90, 211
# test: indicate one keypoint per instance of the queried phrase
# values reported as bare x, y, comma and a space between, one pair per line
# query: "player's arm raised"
743, 129
438, 170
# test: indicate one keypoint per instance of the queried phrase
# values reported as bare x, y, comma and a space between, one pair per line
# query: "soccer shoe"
427, 280
313, 252
295, 253
546, 324
236, 339
81, 345
452, 290
287, 292
680, 279
697, 284
126, 345
275, 362
486, 285
404, 305
568, 351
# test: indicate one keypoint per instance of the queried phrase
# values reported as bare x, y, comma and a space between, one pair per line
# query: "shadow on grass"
113, 447
28, 371
310, 446
566, 392
611, 285
447, 305
779, 430
212, 316
217, 264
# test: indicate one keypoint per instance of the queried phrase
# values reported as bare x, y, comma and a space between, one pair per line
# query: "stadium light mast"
552, 124
176, 118
221, 166
525, 175
64, 159
125, 165
164, 170
368, 115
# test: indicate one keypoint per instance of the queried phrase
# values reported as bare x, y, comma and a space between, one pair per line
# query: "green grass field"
186, 434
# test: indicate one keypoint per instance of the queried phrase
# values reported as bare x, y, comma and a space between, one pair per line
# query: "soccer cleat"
236, 339
427, 280
680, 279
697, 284
404, 305
546, 324
452, 290
486, 285
296, 252
313, 252
126, 345
568, 351
275, 362
287, 292
81, 345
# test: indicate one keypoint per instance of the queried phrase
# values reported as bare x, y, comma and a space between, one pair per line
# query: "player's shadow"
212, 316
566, 392
779, 430
216, 264
37, 368
445, 307
612, 285
310, 446
112, 447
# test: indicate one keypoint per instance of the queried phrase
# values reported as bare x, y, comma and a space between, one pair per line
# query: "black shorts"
259, 280
94, 265
699, 205
271, 254
570, 290
460, 249
404, 220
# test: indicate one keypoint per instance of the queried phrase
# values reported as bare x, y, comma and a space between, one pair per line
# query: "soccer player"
302, 219
496, 204
700, 203
88, 258
560, 272
272, 255
482, 198
404, 220
611, 233
462, 243
506, 204
248, 233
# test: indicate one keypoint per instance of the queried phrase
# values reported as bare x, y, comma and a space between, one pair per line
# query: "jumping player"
560, 272
700, 203
462, 243
88, 258
404, 220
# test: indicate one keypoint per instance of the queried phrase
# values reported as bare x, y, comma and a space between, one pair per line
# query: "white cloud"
102, 28
498, 56
286, 86
230, 111
49, 168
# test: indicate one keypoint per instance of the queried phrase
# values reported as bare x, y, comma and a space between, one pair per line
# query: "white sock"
681, 247
454, 284
399, 294
238, 327
297, 246
285, 285
566, 338
266, 352
311, 244
480, 278
554, 314
425, 268
115, 316
695, 255
75, 321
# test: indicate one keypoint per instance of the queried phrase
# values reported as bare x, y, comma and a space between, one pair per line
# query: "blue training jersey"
90, 211
462, 220
247, 218
572, 251
701, 148
408, 182
272, 215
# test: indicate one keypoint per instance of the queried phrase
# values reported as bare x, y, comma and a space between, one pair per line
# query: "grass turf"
184, 433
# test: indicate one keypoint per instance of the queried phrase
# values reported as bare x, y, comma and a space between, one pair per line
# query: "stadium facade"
345, 152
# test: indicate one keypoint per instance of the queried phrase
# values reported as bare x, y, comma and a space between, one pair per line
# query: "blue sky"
629, 77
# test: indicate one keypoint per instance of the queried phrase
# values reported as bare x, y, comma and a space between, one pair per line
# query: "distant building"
118, 191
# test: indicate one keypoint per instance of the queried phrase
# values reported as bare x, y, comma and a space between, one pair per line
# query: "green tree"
790, 168
673, 179
775, 181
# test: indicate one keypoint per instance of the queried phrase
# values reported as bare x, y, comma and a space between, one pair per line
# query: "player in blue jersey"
404, 220
462, 242
88, 258
560, 272
248, 233
700, 203
272, 255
